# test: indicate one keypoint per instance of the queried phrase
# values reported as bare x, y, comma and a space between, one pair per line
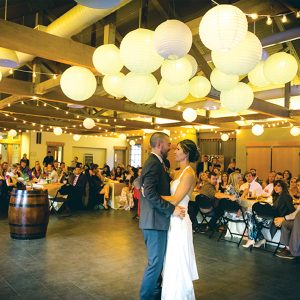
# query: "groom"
155, 214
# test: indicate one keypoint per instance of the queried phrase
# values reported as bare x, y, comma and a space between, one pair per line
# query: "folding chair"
206, 210
263, 210
61, 197
229, 215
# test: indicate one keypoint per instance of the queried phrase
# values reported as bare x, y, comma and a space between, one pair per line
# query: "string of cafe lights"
269, 17
34, 73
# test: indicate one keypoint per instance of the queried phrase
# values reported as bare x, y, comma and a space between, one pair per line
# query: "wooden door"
120, 157
259, 158
286, 158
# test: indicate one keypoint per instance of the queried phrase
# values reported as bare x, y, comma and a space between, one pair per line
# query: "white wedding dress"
180, 267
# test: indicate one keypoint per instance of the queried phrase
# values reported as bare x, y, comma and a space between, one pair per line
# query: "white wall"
39, 151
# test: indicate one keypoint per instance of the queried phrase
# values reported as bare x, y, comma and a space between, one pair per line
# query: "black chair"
206, 210
60, 198
231, 208
263, 210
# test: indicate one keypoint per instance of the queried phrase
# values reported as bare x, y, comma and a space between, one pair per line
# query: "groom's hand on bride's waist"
179, 211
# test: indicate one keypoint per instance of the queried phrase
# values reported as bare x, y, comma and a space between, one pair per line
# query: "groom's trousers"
156, 243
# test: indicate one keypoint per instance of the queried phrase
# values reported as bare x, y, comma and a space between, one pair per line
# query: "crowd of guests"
222, 192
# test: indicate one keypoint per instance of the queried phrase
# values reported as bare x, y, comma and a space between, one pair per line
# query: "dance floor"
101, 255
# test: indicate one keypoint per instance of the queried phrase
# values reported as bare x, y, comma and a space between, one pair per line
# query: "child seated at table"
126, 198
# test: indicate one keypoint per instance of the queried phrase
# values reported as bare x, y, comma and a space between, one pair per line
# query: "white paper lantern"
257, 76
223, 27
76, 137
240, 59
295, 131
199, 86
224, 137
280, 68
140, 88
194, 64
107, 59
221, 81
12, 133
78, 83
122, 136
89, 123
257, 129
99, 4
161, 101
57, 131
172, 39
189, 114
238, 98
114, 84
174, 93
132, 143
8, 58
138, 53
176, 71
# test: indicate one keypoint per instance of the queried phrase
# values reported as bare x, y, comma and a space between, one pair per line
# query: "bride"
180, 265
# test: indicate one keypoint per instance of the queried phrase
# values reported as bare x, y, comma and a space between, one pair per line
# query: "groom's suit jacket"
155, 212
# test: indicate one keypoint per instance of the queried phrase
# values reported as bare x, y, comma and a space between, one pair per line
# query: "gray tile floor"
101, 255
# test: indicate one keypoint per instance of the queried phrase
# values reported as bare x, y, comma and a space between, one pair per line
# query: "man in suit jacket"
203, 166
155, 214
77, 181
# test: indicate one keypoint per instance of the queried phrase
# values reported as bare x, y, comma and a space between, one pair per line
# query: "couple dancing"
166, 226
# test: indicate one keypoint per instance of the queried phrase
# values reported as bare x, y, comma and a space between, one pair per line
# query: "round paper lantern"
12, 133
264, 55
161, 101
189, 115
132, 143
138, 53
57, 131
174, 93
89, 123
172, 39
221, 81
78, 83
238, 98
176, 71
8, 58
107, 59
0, 76
76, 137
295, 131
223, 27
257, 76
122, 136
194, 64
113, 84
199, 86
100, 4
139, 88
257, 129
242, 58
224, 137
280, 68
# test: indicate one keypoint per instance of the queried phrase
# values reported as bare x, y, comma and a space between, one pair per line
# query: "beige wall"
38, 152
271, 136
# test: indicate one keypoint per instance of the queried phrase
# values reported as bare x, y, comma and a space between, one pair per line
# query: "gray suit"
154, 221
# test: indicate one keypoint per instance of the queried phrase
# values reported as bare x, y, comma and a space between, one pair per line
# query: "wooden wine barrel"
28, 214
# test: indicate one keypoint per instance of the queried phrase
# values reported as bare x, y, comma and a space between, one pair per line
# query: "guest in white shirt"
269, 188
51, 173
253, 186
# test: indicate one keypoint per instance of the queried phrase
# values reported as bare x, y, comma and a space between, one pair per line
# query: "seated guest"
24, 158
106, 171
62, 172
231, 167
4, 196
51, 174
287, 175
215, 164
11, 178
37, 172
126, 199
203, 166
269, 188
77, 181
118, 174
271, 179
282, 205
224, 182
55, 165
293, 190
253, 186
290, 234
25, 171
74, 162
202, 178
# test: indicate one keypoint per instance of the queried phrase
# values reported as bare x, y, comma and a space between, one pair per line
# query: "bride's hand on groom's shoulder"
179, 211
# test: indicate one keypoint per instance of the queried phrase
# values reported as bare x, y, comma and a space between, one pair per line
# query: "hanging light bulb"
284, 19
254, 16
269, 21
298, 14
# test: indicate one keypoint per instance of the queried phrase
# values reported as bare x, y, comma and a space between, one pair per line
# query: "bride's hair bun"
190, 148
